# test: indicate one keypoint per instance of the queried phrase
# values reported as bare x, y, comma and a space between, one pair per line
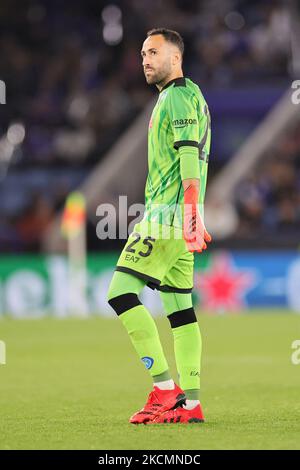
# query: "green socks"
145, 339
187, 340
187, 348
142, 330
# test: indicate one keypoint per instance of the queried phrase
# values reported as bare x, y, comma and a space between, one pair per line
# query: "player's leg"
141, 263
187, 348
175, 292
187, 342
123, 298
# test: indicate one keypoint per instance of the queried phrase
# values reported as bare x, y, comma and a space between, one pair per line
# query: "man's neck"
169, 79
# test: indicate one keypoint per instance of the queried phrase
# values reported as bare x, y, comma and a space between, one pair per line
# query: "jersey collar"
180, 81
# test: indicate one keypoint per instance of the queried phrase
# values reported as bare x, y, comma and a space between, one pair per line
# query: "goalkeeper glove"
194, 231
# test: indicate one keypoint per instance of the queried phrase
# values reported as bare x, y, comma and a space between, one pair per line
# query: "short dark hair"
170, 36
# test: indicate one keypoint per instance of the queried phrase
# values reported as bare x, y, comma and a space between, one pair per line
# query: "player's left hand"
194, 232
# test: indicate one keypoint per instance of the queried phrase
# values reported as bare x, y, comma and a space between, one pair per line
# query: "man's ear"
176, 58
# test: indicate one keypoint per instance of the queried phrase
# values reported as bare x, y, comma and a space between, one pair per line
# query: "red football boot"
180, 415
158, 402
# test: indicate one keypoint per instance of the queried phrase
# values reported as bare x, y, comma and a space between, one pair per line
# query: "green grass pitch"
73, 384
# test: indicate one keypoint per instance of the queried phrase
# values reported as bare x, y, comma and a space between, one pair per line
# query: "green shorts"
158, 254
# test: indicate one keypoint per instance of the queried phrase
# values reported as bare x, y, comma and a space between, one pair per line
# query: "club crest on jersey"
148, 361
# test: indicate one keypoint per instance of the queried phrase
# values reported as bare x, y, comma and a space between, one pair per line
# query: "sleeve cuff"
185, 143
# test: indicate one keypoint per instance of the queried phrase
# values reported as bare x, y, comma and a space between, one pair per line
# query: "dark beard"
156, 79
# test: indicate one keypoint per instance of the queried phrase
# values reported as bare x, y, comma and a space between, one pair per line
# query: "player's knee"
175, 302
182, 317
124, 302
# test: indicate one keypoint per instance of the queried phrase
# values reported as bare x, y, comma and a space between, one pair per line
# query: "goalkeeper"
160, 251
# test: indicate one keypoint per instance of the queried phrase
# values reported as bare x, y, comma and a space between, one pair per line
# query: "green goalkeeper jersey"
179, 118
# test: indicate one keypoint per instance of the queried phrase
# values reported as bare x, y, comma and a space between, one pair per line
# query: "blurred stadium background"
75, 118
76, 115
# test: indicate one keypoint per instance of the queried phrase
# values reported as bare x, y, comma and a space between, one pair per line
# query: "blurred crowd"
268, 201
74, 82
